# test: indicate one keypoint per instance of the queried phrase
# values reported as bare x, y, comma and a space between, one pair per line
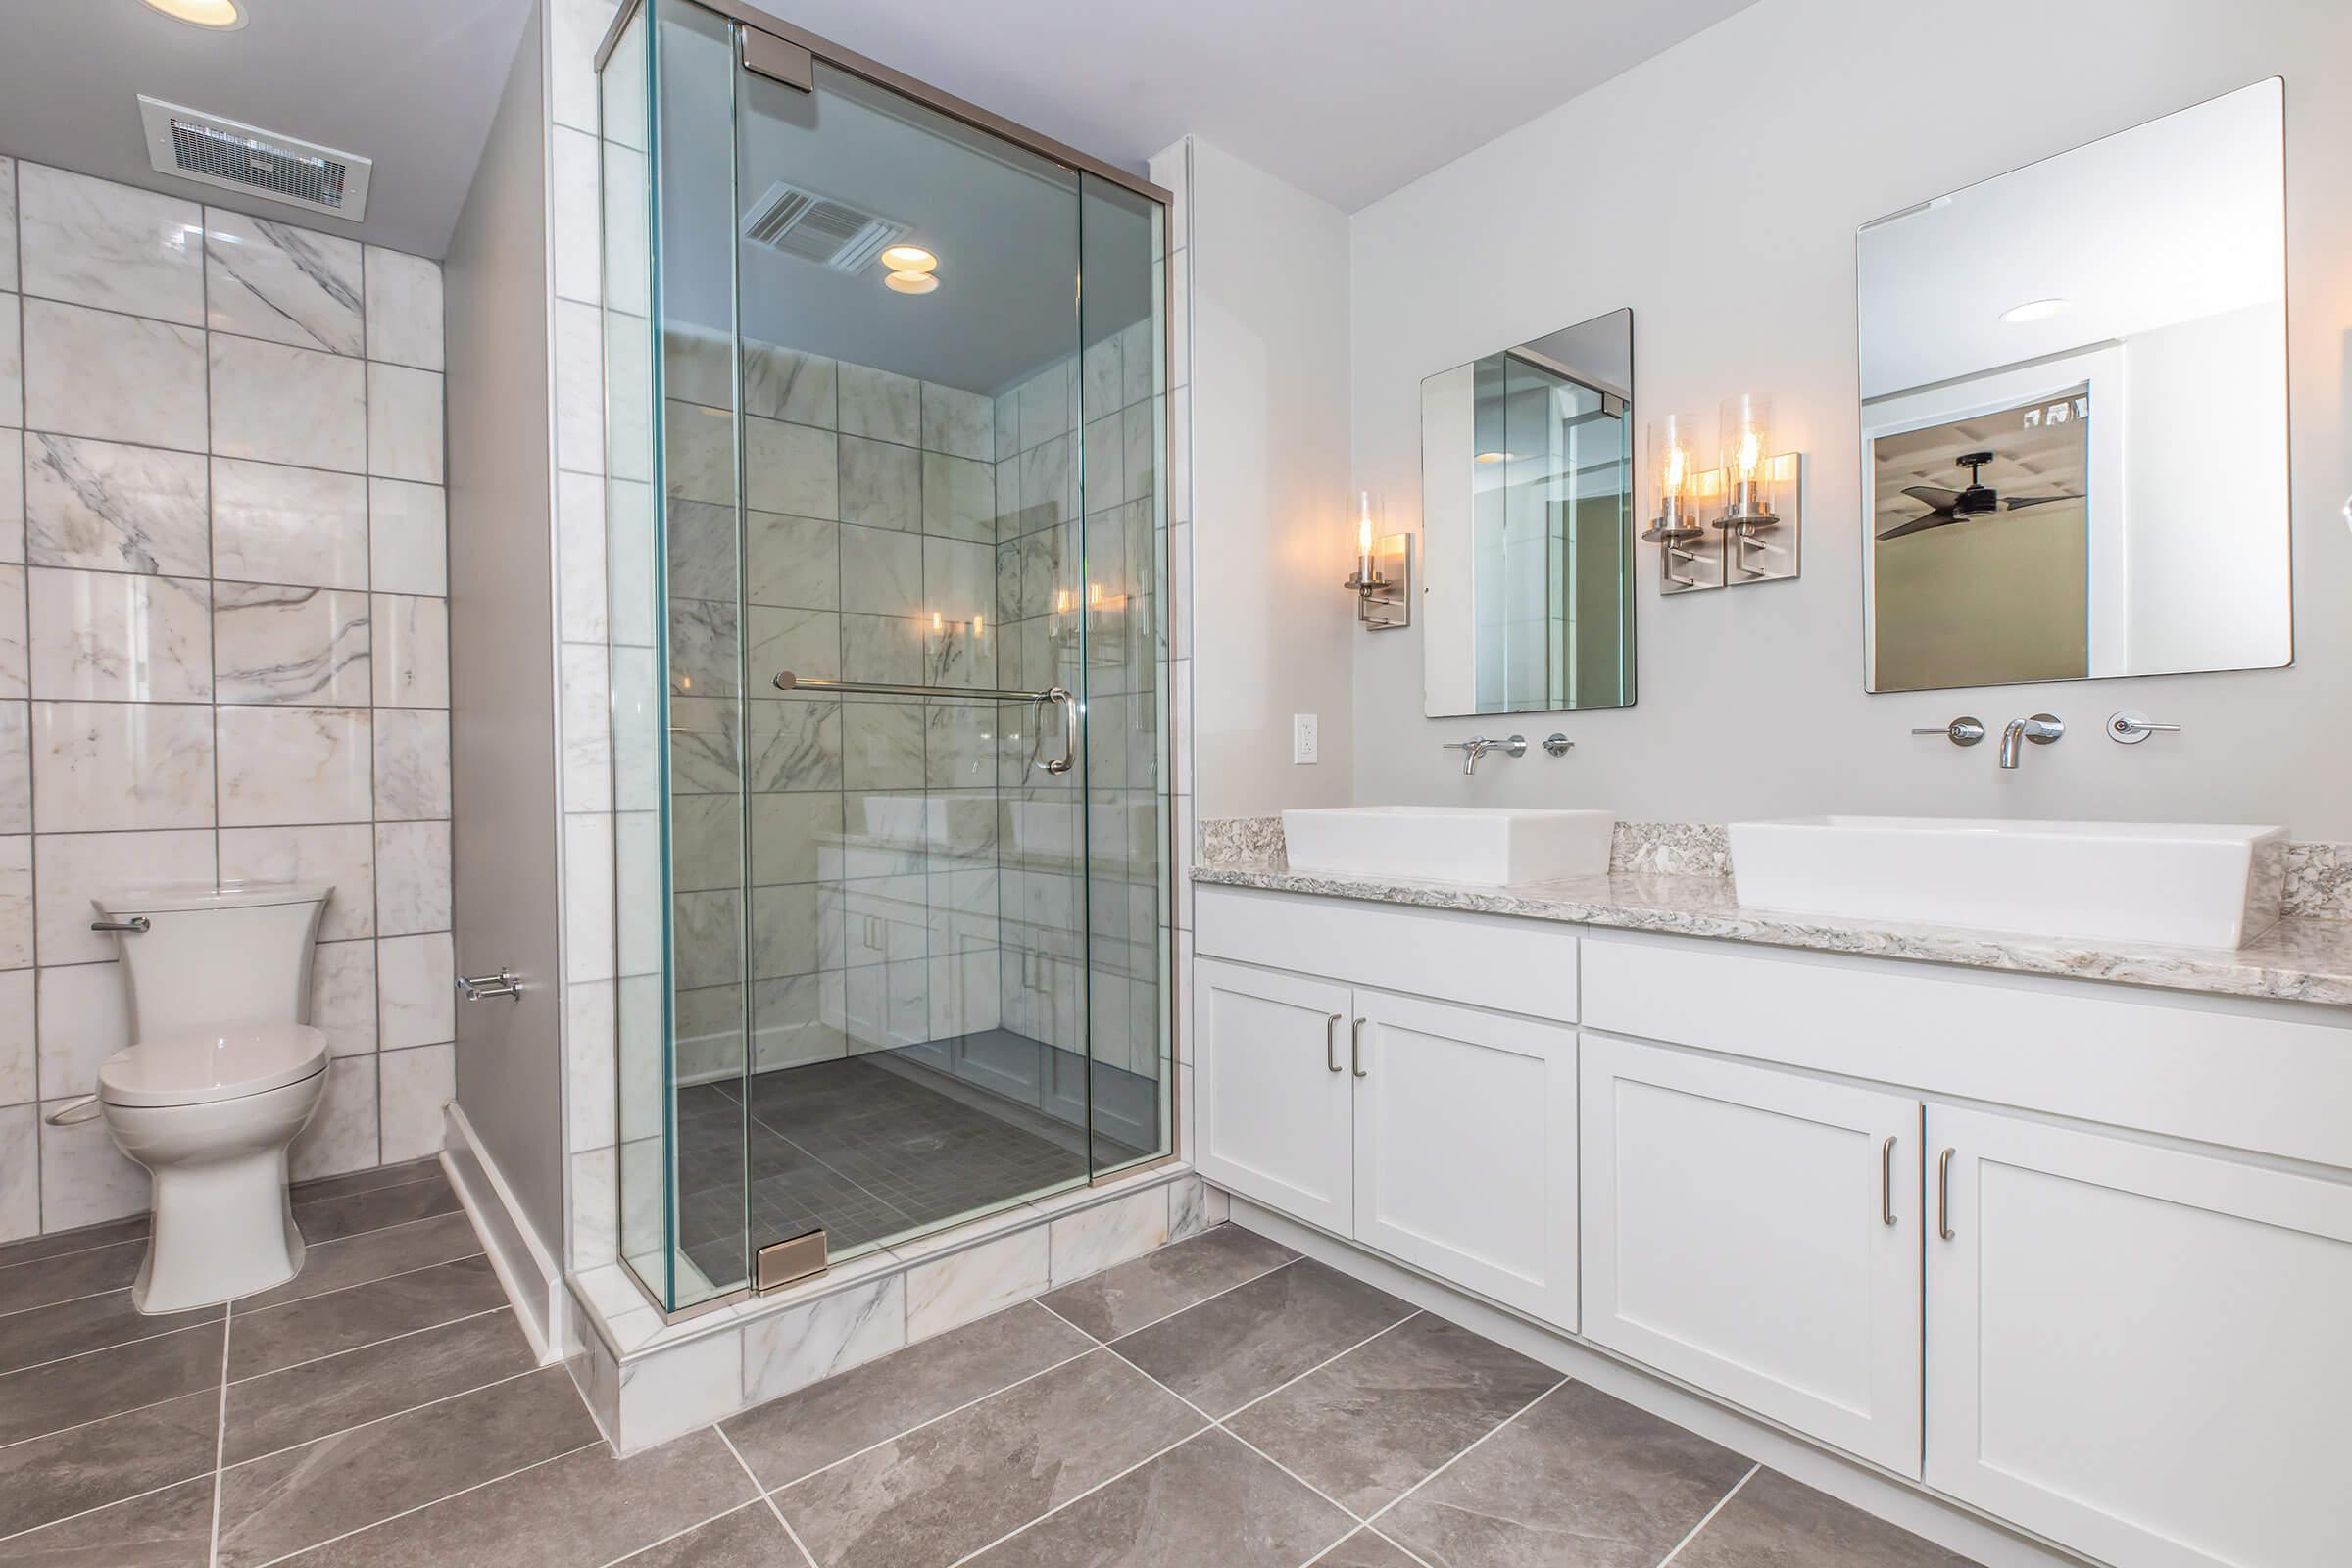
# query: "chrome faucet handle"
2131, 726
1962, 732
1557, 744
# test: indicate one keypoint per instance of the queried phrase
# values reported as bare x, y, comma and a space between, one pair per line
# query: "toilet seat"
199, 1069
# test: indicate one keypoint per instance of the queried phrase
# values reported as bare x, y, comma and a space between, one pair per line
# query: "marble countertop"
2298, 959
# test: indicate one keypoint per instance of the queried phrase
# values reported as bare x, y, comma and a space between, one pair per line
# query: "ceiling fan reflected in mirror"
1977, 499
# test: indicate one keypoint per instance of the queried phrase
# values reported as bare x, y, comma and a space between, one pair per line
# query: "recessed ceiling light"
898, 258
1493, 457
221, 16
2034, 311
911, 282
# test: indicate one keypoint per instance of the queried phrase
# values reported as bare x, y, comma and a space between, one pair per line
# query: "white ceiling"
1344, 99
412, 85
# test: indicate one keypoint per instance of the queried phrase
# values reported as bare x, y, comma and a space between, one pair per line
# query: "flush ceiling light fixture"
2034, 311
903, 282
902, 258
221, 16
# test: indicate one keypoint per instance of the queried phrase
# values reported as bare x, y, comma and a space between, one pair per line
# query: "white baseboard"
524, 1266
1923, 1513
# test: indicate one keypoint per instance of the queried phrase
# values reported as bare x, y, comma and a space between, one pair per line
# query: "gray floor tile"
1119, 1301
1778, 1522
168, 1529
748, 1538
360, 1181
69, 1276
345, 1481
282, 1408
583, 1509
1234, 1348
1580, 1481
375, 1208
87, 1467
1381, 1417
265, 1340
71, 1328
378, 1254
1210, 1501
953, 1487
1366, 1548
33, 1249
786, 1438
103, 1383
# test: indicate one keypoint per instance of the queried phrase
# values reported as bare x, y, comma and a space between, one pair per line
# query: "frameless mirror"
1526, 498
2074, 411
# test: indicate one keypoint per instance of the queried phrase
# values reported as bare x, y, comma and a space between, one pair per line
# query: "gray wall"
502, 642
1752, 700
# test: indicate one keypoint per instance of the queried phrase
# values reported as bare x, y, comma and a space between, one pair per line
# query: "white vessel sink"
1485, 844
2175, 883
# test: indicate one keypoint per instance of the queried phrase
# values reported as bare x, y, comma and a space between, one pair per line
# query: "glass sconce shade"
1673, 446
1744, 446
1366, 533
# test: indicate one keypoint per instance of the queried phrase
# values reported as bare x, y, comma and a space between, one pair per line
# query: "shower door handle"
1069, 730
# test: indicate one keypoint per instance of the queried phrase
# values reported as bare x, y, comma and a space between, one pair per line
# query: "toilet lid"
226, 1064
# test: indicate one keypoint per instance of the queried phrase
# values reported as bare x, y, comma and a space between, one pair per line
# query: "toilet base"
222, 1229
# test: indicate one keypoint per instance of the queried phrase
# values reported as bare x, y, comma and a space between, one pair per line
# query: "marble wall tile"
116, 377
699, 367
674, 1390
881, 572
15, 767
12, 490
71, 868
342, 855
8, 223
959, 578
582, 591
881, 649
698, 455
575, 238
298, 765
791, 468
343, 994
19, 1074
959, 498
882, 745
971, 1283
960, 423
412, 1088
574, 30
84, 1018
273, 280
19, 1172
416, 982
16, 636
342, 1131
12, 362
411, 763
881, 485
579, 388
792, 561
93, 242
276, 404
410, 653
273, 523
114, 508
16, 901
85, 1178
589, 1083
1092, 1239
879, 406
791, 1350
585, 731
115, 766
100, 636
408, 537
290, 645
403, 309
411, 877
404, 423
780, 383
1045, 408
1102, 378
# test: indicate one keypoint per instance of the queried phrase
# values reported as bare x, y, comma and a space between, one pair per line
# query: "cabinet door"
2138, 1351
1465, 1148
1272, 1118
1757, 1233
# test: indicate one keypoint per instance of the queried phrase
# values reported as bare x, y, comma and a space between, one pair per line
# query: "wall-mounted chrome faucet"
1478, 746
2043, 729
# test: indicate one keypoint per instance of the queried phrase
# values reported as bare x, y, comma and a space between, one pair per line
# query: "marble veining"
271, 280
290, 645
112, 507
2298, 959
2319, 882
1226, 840
1671, 849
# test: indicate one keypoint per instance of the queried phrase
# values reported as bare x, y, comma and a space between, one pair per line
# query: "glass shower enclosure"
883, 428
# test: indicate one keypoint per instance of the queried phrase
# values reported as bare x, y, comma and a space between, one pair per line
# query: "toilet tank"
216, 956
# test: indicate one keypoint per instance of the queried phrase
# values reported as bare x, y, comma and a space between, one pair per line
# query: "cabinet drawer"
1526, 967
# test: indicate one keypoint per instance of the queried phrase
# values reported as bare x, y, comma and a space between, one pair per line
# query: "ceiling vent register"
233, 156
819, 229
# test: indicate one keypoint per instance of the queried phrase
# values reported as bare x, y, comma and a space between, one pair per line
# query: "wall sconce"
1677, 530
1383, 578
1760, 492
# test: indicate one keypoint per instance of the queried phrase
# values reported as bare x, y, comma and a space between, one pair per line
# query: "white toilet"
224, 1072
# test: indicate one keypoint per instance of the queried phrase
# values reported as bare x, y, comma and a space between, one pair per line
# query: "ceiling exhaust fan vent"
819, 229
214, 151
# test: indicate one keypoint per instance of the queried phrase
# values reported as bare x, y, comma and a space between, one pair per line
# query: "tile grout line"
361, 1285
635, 1553
766, 1496
1070, 1503
375, 1420
99, 1507
389, 1339
1164, 1316
101, 1349
220, 1444
1721, 1503
1385, 1509
509, 1475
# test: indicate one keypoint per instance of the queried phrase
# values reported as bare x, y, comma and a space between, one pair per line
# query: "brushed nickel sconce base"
1682, 568
1385, 600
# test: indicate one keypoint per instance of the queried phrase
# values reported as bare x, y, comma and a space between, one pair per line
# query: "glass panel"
1122, 409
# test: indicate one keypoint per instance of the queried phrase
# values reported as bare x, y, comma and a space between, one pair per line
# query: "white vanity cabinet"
2140, 1352
1757, 1233
1443, 1136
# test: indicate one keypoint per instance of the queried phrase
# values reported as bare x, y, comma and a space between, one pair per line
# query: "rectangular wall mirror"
1527, 500
2074, 411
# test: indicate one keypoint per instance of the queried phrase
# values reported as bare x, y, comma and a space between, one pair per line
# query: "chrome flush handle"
1963, 731
2131, 726
136, 925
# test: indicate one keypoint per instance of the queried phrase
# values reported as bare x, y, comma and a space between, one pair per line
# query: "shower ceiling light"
222, 16
901, 258
911, 282
2034, 311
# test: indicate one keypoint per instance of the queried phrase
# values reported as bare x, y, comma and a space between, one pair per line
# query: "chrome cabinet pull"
136, 925
1356, 1050
1331, 1042
1943, 1194
1886, 1182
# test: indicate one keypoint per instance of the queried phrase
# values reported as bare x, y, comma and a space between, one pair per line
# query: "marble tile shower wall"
224, 646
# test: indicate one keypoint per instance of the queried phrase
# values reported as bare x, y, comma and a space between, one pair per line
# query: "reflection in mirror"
1527, 494
2074, 412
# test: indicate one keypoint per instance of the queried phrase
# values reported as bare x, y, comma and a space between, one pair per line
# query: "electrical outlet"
1304, 746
